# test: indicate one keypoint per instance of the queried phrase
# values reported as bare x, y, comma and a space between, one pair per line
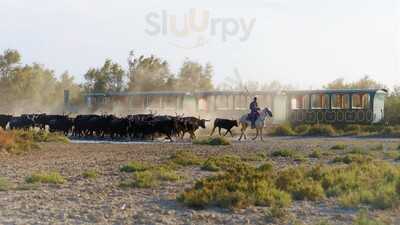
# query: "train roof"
337, 91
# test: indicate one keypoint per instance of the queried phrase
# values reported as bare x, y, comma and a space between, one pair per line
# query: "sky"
304, 43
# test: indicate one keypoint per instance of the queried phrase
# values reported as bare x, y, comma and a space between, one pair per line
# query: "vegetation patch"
214, 141
316, 154
286, 153
325, 130
185, 158
46, 177
134, 167
352, 158
339, 147
90, 174
283, 130
151, 178
20, 141
4, 184
360, 182
219, 163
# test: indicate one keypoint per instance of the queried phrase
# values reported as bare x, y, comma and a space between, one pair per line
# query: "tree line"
36, 88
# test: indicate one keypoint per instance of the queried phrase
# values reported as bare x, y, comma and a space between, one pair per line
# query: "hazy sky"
305, 43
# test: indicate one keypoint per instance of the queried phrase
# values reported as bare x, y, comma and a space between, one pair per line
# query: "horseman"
253, 112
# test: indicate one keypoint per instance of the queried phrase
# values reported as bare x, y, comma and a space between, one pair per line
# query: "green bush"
4, 184
372, 183
316, 154
133, 167
90, 174
339, 147
321, 130
222, 163
302, 129
46, 177
151, 178
352, 158
286, 153
283, 130
143, 179
185, 158
363, 219
237, 188
214, 141
352, 129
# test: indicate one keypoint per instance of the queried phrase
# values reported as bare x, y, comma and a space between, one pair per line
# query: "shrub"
151, 178
302, 129
316, 154
212, 141
339, 147
321, 130
363, 219
46, 177
352, 129
283, 130
283, 153
90, 174
143, 179
221, 163
236, 188
352, 158
133, 167
185, 158
267, 167
398, 147
4, 184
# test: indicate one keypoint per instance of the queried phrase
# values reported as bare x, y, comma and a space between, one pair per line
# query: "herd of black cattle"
140, 126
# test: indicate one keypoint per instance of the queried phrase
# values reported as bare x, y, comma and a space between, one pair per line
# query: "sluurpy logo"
196, 28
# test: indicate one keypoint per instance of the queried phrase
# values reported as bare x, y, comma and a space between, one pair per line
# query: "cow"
224, 124
22, 122
4, 120
191, 124
61, 124
119, 126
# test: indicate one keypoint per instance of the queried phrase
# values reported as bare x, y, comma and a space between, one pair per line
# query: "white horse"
245, 122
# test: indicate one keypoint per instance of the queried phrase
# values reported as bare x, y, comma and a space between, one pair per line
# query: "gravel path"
101, 201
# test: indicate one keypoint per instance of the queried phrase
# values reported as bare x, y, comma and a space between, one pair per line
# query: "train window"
360, 101
340, 101
300, 102
320, 101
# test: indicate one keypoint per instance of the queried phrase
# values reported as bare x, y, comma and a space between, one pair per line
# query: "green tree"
108, 78
149, 74
9, 61
365, 82
194, 77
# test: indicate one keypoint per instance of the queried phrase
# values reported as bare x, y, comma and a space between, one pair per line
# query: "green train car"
358, 106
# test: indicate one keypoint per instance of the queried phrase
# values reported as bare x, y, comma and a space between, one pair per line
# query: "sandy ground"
101, 201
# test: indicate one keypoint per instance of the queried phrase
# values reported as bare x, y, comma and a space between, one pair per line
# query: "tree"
149, 74
8, 62
108, 78
195, 77
364, 83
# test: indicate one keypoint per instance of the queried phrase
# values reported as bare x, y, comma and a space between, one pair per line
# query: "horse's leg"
242, 132
261, 134
256, 134
219, 131
226, 132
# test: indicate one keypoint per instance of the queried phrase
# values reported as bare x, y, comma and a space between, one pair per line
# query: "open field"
70, 183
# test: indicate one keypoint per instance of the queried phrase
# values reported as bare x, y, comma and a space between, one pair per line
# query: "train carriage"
359, 106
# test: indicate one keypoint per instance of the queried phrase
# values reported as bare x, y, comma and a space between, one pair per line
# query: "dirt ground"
102, 201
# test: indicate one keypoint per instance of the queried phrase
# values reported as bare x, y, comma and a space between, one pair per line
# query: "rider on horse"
253, 112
